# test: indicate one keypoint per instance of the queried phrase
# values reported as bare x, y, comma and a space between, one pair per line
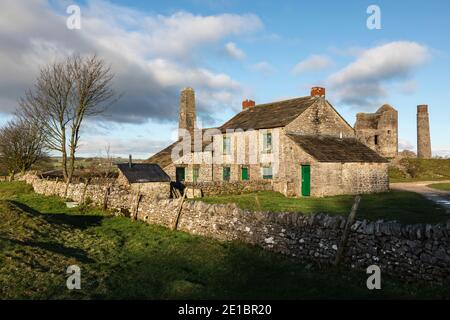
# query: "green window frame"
226, 145
226, 173
195, 174
267, 142
244, 173
267, 172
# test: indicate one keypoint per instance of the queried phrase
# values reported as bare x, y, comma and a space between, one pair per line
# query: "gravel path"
441, 197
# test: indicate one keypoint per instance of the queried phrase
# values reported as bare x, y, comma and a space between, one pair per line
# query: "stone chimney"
247, 104
187, 116
423, 133
317, 92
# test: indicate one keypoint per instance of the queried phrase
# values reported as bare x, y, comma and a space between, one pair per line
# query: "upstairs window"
376, 140
267, 172
226, 145
267, 142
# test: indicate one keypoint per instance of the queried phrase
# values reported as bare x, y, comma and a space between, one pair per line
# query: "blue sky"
232, 50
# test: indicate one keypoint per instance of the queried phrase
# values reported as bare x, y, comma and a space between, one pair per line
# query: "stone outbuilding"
145, 178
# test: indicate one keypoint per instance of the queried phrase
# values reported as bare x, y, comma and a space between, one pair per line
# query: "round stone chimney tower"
423, 133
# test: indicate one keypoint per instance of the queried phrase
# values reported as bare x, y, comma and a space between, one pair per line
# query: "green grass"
440, 186
421, 170
405, 207
122, 259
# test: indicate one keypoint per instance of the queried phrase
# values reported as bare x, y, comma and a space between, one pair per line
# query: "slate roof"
331, 149
143, 172
164, 157
269, 115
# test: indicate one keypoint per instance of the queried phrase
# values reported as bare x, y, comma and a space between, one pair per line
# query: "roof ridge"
283, 101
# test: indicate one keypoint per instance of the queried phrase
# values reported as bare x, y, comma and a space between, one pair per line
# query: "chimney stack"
187, 116
317, 92
130, 162
247, 104
423, 133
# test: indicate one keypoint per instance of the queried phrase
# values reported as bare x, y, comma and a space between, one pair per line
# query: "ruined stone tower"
423, 133
187, 117
379, 130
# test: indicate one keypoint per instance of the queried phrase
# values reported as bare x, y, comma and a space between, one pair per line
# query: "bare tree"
65, 94
21, 146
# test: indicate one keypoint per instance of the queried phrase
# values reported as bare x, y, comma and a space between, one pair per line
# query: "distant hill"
413, 169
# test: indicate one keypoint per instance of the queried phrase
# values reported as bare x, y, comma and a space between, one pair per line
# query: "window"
244, 173
195, 174
376, 139
267, 142
267, 172
226, 173
180, 173
226, 145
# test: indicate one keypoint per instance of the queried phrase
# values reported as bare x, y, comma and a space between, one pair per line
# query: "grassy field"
440, 186
405, 207
121, 259
421, 170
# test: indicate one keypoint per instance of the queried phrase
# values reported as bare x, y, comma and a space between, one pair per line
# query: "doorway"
306, 180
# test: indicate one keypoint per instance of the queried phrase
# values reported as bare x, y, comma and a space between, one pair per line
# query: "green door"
306, 180
244, 173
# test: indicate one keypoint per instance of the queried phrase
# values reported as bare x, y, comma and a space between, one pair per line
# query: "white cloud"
153, 56
408, 87
312, 63
233, 51
405, 145
442, 152
263, 67
141, 148
362, 82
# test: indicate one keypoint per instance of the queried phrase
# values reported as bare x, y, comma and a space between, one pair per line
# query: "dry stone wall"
215, 188
412, 252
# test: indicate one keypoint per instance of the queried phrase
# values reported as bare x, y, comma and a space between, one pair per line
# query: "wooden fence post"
56, 186
83, 197
342, 245
136, 205
175, 225
105, 198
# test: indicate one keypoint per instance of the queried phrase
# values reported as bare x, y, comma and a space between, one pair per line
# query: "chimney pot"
317, 92
247, 104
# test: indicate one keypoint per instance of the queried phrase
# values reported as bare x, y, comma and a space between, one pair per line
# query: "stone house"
145, 178
301, 146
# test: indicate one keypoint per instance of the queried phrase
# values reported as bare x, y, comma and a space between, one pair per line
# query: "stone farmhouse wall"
412, 252
321, 119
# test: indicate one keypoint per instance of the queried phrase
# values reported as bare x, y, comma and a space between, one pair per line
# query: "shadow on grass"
53, 247
75, 221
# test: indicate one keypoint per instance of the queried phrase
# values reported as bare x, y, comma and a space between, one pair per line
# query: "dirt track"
441, 197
